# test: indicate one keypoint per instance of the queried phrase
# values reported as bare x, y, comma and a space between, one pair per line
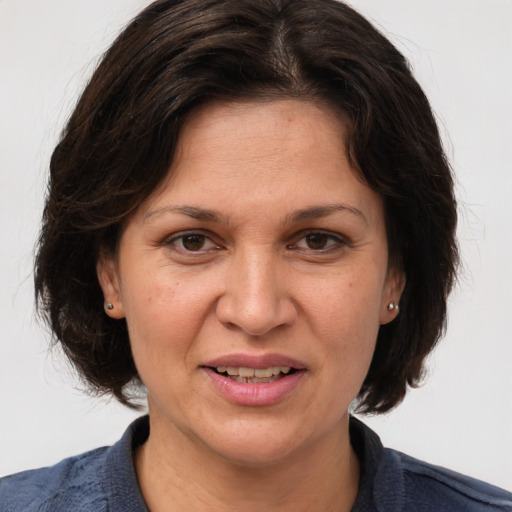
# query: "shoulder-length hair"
119, 143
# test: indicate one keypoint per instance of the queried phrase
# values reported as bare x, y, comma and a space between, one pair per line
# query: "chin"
260, 444
258, 453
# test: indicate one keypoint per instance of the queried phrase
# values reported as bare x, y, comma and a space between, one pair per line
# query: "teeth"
249, 373
263, 373
253, 380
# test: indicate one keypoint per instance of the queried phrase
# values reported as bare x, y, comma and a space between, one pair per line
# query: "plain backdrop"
461, 52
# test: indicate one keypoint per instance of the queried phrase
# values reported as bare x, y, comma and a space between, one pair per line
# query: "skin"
253, 279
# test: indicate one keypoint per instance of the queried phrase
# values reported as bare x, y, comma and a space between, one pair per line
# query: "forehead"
253, 155
261, 131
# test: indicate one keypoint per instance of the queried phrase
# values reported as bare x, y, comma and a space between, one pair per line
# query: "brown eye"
317, 240
193, 242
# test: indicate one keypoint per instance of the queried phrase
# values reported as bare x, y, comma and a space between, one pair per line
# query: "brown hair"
118, 145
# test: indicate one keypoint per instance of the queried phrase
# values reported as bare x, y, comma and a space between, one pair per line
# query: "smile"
253, 375
243, 385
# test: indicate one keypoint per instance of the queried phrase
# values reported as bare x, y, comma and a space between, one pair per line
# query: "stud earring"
109, 306
392, 307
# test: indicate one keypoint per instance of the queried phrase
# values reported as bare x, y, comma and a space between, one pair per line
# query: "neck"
324, 476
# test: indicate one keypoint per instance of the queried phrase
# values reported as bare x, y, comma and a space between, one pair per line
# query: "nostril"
254, 306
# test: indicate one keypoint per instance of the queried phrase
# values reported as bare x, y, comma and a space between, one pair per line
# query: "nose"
255, 298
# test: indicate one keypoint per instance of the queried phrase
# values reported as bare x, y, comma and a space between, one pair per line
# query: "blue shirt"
104, 480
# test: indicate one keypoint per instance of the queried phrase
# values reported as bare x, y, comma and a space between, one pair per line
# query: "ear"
392, 292
108, 278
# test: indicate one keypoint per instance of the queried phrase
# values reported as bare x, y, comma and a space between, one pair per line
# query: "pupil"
317, 241
193, 242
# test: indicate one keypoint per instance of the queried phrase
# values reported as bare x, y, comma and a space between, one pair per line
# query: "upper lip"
255, 361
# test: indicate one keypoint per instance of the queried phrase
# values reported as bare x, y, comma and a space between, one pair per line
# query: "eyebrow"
309, 213
317, 212
190, 211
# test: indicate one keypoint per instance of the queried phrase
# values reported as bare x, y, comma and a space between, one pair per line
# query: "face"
253, 282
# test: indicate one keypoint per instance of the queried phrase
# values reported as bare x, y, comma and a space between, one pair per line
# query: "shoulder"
394, 482
74, 484
97, 481
427, 487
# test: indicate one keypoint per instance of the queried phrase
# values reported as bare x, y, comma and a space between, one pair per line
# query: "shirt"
104, 480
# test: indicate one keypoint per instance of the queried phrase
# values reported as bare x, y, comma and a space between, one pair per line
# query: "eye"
192, 242
318, 241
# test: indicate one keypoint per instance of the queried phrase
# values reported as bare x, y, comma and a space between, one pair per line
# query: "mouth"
254, 375
255, 380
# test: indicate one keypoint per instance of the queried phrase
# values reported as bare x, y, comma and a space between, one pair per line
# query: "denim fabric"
104, 480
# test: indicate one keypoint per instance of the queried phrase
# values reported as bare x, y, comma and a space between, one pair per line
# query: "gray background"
461, 53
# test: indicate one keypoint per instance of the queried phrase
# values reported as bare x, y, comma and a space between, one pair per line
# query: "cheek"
344, 313
161, 312
352, 299
163, 321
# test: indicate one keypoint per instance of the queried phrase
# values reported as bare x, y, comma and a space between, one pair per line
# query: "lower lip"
248, 393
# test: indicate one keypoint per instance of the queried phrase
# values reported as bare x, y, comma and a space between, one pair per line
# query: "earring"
109, 306
392, 307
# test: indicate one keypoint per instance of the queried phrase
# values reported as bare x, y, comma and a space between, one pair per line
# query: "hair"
119, 142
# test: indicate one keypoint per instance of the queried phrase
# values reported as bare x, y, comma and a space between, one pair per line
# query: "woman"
250, 214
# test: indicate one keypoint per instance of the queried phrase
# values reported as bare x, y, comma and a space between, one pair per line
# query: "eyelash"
182, 236
332, 242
